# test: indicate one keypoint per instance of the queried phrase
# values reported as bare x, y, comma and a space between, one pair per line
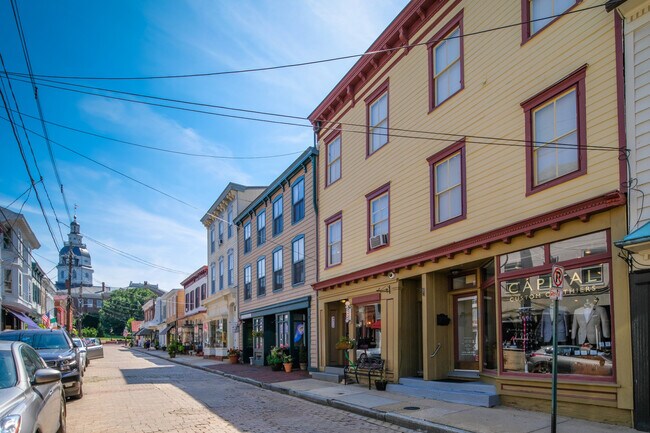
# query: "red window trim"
526, 34
458, 147
456, 21
577, 80
384, 189
327, 141
370, 99
334, 218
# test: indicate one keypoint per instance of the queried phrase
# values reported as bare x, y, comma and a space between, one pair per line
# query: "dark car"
31, 395
57, 349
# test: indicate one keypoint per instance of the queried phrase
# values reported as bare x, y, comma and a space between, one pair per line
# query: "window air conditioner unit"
378, 241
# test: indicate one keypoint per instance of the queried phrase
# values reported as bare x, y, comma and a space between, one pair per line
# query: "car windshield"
45, 340
78, 342
7, 370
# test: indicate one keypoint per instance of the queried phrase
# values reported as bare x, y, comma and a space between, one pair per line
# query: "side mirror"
46, 375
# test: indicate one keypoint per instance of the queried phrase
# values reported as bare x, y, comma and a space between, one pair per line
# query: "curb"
389, 417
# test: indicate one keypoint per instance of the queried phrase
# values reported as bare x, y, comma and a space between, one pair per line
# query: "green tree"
90, 332
121, 306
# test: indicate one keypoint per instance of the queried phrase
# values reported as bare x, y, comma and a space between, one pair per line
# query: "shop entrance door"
466, 356
335, 325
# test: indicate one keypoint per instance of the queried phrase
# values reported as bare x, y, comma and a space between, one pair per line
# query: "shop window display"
584, 325
368, 329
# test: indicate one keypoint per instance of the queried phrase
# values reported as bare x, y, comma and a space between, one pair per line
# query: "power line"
18, 198
312, 62
22, 152
361, 131
23, 40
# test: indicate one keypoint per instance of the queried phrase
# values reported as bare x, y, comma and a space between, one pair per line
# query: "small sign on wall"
333, 321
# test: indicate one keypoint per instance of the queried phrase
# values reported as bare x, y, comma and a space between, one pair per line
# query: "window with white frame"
334, 160
220, 232
334, 242
278, 278
446, 62
229, 222
378, 122
213, 279
448, 201
7, 281
298, 261
212, 239
379, 215
542, 12
231, 268
221, 273
248, 282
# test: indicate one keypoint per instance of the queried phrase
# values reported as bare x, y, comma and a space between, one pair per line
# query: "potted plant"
233, 355
174, 348
381, 383
345, 343
275, 358
287, 361
302, 357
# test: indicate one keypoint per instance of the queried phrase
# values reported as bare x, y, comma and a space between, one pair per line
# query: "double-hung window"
231, 268
334, 239
220, 232
334, 160
298, 260
248, 282
556, 133
298, 200
261, 228
278, 279
446, 62
213, 278
537, 14
229, 222
261, 276
221, 273
248, 243
447, 171
378, 217
377, 118
277, 216
212, 239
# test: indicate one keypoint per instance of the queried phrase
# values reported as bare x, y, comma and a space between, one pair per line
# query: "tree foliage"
121, 306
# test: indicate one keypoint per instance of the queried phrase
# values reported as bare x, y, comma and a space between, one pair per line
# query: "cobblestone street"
130, 391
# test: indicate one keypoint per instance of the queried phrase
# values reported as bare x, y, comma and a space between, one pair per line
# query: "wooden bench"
366, 365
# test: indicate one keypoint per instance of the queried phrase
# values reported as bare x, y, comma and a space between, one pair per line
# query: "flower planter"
303, 366
381, 385
234, 359
288, 366
343, 346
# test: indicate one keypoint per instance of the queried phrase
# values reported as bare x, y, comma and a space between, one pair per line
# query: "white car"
83, 351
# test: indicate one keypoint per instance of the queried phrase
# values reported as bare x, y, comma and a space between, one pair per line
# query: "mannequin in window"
545, 327
590, 323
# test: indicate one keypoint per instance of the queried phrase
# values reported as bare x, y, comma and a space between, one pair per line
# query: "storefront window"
583, 321
524, 259
282, 323
220, 333
368, 329
258, 333
579, 248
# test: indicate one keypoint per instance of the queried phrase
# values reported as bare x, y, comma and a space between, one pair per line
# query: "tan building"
277, 265
221, 302
456, 168
192, 325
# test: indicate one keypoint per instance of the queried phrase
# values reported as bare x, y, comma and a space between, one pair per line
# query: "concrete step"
327, 377
471, 393
334, 370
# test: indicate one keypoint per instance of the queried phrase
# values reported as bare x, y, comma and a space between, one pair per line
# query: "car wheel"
62, 417
81, 391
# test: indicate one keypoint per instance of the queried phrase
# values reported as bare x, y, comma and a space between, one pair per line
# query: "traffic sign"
554, 294
557, 277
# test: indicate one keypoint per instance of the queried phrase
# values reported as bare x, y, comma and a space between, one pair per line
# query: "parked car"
570, 360
32, 398
57, 349
83, 356
94, 348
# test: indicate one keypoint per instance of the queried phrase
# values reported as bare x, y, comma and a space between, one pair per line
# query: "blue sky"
144, 38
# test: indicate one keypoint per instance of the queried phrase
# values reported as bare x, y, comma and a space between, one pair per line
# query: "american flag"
46, 320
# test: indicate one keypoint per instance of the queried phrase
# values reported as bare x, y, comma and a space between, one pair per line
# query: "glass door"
466, 332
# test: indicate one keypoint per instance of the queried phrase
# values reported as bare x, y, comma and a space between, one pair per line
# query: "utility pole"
68, 283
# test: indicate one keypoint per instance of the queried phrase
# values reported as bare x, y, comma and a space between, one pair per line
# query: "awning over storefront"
167, 328
638, 241
144, 332
23, 318
295, 304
